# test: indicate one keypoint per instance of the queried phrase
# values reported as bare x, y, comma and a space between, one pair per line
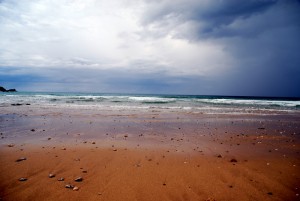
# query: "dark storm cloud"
261, 35
225, 47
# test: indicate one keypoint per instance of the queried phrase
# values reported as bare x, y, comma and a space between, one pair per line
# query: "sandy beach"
148, 154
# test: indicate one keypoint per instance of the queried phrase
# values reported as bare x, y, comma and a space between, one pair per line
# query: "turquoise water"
148, 101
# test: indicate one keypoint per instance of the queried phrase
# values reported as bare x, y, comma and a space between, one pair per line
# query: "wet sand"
148, 155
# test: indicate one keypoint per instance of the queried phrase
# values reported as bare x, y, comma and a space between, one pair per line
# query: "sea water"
200, 103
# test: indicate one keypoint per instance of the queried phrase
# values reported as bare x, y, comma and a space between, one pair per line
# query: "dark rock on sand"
23, 179
16, 104
61, 179
233, 160
51, 175
78, 179
21, 159
69, 186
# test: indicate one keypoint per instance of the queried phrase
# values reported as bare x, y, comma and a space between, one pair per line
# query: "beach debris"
69, 186
23, 179
76, 188
233, 160
61, 179
21, 159
51, 175
78, 179
11, 145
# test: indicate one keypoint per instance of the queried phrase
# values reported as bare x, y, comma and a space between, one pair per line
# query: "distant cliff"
2, 89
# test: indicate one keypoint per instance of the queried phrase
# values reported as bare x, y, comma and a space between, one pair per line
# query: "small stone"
61, 179
51, 175
84, 171
11, 145
270, 193
75, 188
233, 160
93, 142
21, 159
78, 179
32, 130
49, 138
219, 156
115, 150
23, 179
69, 186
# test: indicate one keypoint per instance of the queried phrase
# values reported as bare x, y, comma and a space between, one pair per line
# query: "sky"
204, 47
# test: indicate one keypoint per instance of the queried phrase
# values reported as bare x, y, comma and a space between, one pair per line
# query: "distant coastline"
2, 89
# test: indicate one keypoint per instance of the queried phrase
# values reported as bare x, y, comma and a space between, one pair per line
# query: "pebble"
32, 130
233, 160
69, 186
61, 179
75, 188
23, 179
11, 145
51, 175
21, 159
78, 179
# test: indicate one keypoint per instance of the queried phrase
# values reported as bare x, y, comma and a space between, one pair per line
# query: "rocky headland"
2, 89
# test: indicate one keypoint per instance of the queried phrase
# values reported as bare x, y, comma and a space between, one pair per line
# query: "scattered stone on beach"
233, 160
63, 149
79, 179
261, 128
69, 186
32, 130
51, 175
219, 156
21, 159
115, 150
270, 193
23, 179
61, 179
93, 142
76, 188
84, 171
11, 145
49, 138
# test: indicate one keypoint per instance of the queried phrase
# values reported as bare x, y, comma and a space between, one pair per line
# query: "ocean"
200, 103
